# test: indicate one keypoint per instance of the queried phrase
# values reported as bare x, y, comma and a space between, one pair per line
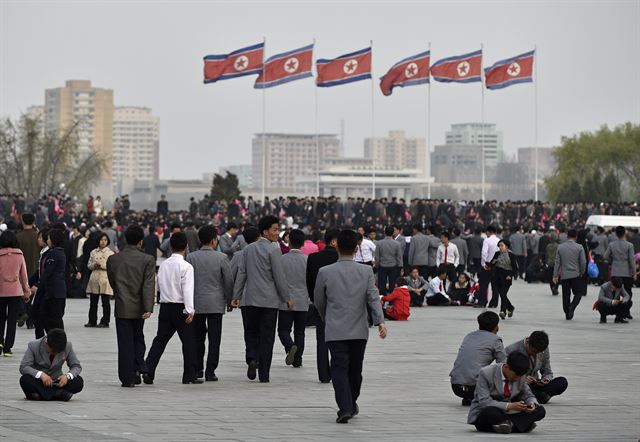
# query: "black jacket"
52, 280
502, 273
315, 262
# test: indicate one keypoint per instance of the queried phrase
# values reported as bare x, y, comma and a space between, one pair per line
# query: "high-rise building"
396, 151
289, 156
136, 144
91, 109
478, 134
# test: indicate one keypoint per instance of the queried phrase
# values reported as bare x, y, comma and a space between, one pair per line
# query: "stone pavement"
406, 393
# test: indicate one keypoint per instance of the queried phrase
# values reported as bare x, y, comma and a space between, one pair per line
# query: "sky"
150, 54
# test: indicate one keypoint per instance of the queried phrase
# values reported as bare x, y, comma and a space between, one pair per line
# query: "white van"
608, 222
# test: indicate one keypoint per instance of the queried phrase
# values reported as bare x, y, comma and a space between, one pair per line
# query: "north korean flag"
408, 72
346, 68
514, 70
286, 67
465, 68
245, 61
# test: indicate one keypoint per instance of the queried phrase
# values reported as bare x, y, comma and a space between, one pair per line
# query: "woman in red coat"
398, 302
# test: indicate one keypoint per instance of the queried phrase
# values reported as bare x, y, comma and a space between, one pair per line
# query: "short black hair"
616, 281
133, 235
104, 235
296, 238
231, 225
330, 235
250, 234
388, 231
178, 242
539, 340
506, 242
488, 321
418, 227
266, 222
491, 228
442, 270
400, 281
28, 219
572, 233
176, 226
456, 231
8, 240
620, 231
445, 234
206, 234
57, 340
348, 241
518, 363
56, 236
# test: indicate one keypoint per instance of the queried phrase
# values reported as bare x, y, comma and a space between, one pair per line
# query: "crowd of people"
342, 266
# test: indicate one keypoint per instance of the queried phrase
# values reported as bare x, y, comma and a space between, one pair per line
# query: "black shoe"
130, 385
356, 410
325, 381
147, 379
531, 428
101, 325
543, 398
212, 378
510, 312
138, 380
200, 374
90, 325
629, 317
8, 353
251, 370
62, 395
22, 319
30, 326
343, 419
34, 397
466, 402
503, 315
291, 354
555, 293
264, 381
621, 321
193, 381
503, 427
603, 319
297, 364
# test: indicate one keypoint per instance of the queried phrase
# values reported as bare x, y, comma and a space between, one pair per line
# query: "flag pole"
316, 134
264, 123
482, 80
429, 127
535, 117
373, 140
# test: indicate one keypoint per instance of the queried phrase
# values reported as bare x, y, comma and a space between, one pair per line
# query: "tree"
597, 166
225, 187
33, 162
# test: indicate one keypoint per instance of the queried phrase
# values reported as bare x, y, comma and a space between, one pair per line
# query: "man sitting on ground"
417, 286
398, 302
41, 369
437, 294
539, 377
613, 300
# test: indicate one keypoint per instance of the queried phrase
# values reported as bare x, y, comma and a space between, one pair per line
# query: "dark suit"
54, 288
315, 262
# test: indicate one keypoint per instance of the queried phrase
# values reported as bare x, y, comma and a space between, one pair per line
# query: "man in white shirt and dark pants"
448, 257
489, 248
176, 285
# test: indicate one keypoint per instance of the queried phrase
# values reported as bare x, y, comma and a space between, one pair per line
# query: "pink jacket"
309, 247
13, 273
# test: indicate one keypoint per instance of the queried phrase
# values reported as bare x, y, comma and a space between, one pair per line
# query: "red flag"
514, 70
408, 72
286, 67
465, 68
245, 61
346, 68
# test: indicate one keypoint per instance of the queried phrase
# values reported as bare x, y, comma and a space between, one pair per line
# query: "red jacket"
401, 301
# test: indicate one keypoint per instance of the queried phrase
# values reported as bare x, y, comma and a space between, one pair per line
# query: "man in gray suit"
503, 402
614, 300
261, 288
478, 349
463, 250
623, 265
568, 269
41, 369
213, 287
296, 264
228, 243
388, 260
475, 250
342, 292
519, 249
419, 251
434, 243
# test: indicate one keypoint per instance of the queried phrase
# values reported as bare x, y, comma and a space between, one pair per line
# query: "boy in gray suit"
41, 369
341, 294
623, 265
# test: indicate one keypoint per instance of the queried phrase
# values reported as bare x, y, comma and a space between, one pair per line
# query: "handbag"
592, 270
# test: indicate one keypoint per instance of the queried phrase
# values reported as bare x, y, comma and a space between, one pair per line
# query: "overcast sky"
150, 54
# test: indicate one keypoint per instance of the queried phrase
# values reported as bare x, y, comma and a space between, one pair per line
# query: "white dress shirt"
365, 251
451, 254
436, 285
489, 248
176, 283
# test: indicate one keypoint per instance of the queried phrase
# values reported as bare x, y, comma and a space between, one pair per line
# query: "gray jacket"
463, 249
620, 255
36, 359
475, 246
570, 260
518, 244
342, 292
388, 253
295, 263
213, 283
434, 243
478, 349
261, 281
490, 392
419, 250
229, 245
603, 243
608, 294
539, 365
235, 264
402, 240
533, 243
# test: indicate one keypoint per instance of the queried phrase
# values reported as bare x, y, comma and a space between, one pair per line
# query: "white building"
399, 152
478, 134
136, 144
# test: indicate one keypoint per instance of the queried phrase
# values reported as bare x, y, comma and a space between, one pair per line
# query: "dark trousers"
452, 273
9, 307
38, 315
522, 260
31, 385
131, 348
417, 300
522, 422
575, 285
432, 272
93, 309
464, 391
554, 387
171, 320
285, 321
424, 271
243, 312
346, 372
208, 325
477, 268
502, 287
387, 275
620, 310
627, 283
437, 299
260, 334
53, 313
322, 354
484, 277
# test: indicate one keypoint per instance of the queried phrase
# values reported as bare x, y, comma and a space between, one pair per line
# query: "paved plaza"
406, 393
